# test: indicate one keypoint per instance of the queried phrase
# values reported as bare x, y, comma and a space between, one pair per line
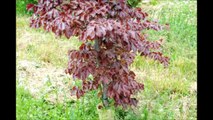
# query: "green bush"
21, 6
133, 3
137, 3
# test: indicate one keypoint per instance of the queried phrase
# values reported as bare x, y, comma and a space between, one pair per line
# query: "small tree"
110, 32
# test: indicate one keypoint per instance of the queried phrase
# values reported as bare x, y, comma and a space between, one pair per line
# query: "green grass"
170, 93
29, 108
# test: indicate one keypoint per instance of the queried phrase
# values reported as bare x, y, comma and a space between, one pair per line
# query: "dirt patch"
193, 87
44, 81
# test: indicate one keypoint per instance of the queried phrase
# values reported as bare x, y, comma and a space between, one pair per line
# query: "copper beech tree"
111, 36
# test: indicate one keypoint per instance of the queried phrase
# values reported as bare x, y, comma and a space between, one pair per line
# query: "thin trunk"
105, 86
104, 95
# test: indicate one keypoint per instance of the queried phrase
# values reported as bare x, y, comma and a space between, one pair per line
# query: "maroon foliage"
110, 32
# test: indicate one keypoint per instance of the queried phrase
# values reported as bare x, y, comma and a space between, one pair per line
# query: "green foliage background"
21, 6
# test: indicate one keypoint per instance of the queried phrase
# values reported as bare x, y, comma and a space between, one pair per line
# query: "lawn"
170, 93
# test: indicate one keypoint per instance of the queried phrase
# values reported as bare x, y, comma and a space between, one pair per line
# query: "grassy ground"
171, 93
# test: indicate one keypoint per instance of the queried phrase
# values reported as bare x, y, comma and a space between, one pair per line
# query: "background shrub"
133, 3
21, 6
